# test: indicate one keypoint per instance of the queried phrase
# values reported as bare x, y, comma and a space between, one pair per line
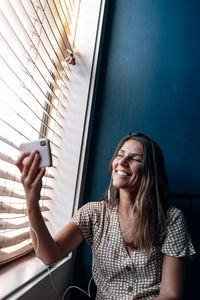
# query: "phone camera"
42, 143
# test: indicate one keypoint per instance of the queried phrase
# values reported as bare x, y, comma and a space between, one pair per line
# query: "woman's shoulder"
177, 241
175, 215
94, 206
89, 212
174, 211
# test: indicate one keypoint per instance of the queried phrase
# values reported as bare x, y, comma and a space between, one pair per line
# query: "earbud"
109, 194
109, 188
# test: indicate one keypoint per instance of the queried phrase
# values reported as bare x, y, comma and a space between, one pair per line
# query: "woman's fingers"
38, 178
31, 176
27, 165
19, 162
31, 168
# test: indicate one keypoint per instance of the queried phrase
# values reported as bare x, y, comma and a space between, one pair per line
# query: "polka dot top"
116, 274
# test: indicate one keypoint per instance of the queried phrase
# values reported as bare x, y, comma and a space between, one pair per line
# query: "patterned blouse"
116, 274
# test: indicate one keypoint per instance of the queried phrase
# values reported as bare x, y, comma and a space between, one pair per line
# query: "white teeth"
121, 173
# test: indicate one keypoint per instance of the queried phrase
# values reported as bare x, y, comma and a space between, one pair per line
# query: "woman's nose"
124, 161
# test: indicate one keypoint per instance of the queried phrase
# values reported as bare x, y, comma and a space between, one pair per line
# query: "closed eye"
137, 159
130, 158
120, 155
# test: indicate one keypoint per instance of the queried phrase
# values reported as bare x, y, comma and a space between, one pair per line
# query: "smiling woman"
139, 244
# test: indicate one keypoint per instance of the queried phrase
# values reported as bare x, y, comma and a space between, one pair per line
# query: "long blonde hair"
152, 198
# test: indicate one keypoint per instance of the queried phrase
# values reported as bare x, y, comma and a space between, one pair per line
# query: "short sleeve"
177, 242
84, 218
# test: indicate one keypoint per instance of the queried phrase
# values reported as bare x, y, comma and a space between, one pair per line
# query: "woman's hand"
31, 177
50, 249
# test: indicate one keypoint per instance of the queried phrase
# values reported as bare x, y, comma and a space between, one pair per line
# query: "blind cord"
49, 272
71, 59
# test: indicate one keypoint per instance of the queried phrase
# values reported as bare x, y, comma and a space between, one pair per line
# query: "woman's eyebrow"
134, 154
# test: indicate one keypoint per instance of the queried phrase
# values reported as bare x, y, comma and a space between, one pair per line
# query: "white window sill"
18, 277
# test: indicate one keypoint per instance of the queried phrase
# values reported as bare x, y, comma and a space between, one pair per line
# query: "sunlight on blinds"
35, 37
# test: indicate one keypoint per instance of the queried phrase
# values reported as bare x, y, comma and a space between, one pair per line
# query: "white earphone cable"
70, 287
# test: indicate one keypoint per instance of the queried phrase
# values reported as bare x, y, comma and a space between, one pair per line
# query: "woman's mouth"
122, 173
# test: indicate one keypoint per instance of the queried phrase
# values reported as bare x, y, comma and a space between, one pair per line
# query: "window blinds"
34, 38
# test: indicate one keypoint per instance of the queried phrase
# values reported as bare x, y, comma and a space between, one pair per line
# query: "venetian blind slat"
8, 225
9, 208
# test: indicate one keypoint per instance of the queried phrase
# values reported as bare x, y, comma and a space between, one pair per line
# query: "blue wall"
148, 82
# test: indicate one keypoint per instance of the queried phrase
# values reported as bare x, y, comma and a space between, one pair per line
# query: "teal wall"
149, 81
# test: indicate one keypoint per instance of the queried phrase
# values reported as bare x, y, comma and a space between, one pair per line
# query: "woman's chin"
120, 185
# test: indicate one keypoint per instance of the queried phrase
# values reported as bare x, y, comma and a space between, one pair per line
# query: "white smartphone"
43, 146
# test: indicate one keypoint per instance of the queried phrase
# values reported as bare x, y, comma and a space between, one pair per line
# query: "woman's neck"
126, 203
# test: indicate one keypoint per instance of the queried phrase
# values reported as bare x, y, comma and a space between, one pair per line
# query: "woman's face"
128, 166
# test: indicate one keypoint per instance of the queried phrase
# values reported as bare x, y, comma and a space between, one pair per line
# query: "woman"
139, 245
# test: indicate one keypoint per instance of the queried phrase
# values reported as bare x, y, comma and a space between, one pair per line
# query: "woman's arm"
50, 249
173, 278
